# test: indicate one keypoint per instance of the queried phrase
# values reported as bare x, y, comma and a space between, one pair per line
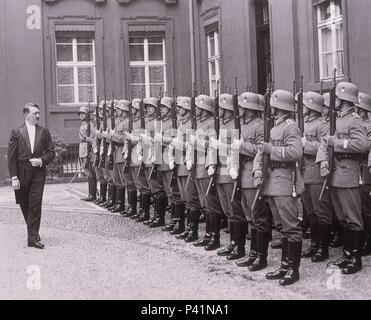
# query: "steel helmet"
347, 91
313, 101
184, 102
250, 100
204, 102
364, 101
284, 100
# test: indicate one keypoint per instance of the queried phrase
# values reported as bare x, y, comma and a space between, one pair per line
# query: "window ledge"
64, 109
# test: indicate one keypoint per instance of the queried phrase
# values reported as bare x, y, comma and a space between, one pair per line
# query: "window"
75, 68
213, 55
147, 65
330, 38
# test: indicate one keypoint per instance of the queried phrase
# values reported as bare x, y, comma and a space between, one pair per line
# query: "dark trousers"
366, 205
211, 203
233, 210
30, 200
317, 211
189, 195
260, 217
140, 182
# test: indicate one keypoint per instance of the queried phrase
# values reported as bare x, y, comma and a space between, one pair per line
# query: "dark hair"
26, 108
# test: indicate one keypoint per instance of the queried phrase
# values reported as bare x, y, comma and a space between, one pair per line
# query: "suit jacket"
19, 153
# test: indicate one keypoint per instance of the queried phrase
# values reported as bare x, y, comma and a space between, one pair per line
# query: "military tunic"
84, 139
350, 142
366, 180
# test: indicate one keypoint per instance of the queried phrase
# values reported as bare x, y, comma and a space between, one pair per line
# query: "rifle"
211, 188
174, 120
112, 145
268, 123
87, 164
102, 162
153, 170
97, 159
127, 156
194, 128
141, 171
331, 154
236, 193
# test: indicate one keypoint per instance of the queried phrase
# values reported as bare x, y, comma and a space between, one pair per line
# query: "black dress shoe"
36, 244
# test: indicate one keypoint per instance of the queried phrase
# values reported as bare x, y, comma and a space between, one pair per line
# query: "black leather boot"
344, 259
92, 187
205, 240
228, 249
281, 272
253, 250
132, 204
314, 244
322, 253
214, 243
170, 226
118, 205
184, 234
145, 204
179, 214
151, 219
103, 193
193, 232
338, 237
366, 248
202, 216
240, 230
112, 203
261, 261
109, 196
354, 253
294, 255
159, 220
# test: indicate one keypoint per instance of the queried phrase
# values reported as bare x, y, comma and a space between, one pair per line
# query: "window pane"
136, 52
65, 75
137, 90
326, 40
63, 40
339, 36
155, 40
212, 45
155, 52
155, 89
340, 62
212, 68
327, 65
86, 75
338, 8
325, 10
137, 75
156, 74
86, 94
65, 94
84, 40
84, 52
64, 52
136, 40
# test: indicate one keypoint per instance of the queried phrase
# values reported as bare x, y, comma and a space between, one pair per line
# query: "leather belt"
282, 165
348, 156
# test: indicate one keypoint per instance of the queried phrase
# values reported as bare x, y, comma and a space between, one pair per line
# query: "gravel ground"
92, 254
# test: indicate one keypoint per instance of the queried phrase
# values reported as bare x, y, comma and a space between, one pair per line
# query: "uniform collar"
248, 120
311, 118
346, 112
228, 119
282, 119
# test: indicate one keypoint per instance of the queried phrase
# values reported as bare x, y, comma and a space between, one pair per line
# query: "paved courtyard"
93, 254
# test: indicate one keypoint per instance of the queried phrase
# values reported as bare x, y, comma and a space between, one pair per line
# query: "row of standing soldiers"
280, 172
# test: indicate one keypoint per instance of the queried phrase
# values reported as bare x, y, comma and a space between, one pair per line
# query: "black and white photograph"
199, 151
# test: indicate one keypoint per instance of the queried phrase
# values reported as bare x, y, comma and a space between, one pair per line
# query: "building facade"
62, 54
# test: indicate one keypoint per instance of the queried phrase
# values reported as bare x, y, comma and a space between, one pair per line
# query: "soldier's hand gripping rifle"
211, 188
194, 129
236, 193
98, 140
127, 154
112, 145
141, 171
174, 125
331, 154
104, 146
268, 123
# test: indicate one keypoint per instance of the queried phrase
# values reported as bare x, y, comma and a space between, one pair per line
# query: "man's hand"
267, 147
303, 141
324, 168
15, 183
171, 164
189, 165
258, 178
233, 173
331, 141
211, 171
36, 162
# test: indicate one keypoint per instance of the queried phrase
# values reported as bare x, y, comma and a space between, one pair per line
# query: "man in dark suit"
30, 150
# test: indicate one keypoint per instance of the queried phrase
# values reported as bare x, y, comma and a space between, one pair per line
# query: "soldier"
252, 136
149, 158
85, 154
203, 171
132, 152
97, 150
225, 183
117, 135
188, 192
349, 142
284, 150
363, 108
318, 212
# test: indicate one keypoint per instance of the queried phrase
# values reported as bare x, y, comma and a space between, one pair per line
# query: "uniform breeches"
87, 169
99, 174
108, 175
189, 194
140, 182
172, 191
211, 203
233, 210
127, 178
260, 218
366, 205
155, 184
317, 211
285, 212
117, 176
347, 205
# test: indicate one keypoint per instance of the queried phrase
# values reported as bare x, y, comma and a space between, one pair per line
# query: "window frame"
331, 24
213, 59
146, 63
75, 64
